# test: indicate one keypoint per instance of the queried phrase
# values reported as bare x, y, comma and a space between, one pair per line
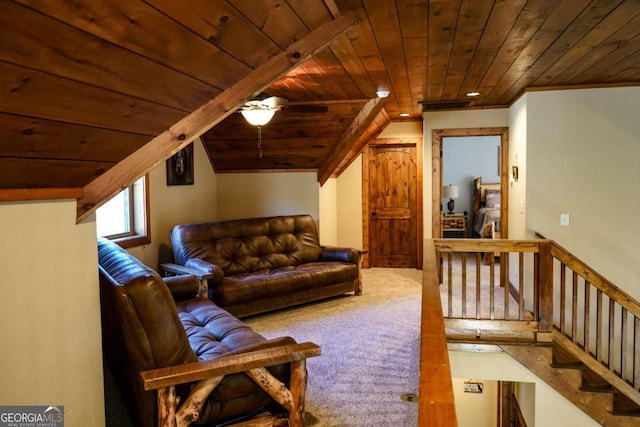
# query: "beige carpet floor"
370, 347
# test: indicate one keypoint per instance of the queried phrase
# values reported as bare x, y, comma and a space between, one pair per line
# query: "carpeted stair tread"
622, 405
563, 359
594, 382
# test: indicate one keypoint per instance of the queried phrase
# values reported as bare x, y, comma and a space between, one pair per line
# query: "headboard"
480, 192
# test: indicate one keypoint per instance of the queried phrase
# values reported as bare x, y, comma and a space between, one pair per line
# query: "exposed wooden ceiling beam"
349, 138
204, 118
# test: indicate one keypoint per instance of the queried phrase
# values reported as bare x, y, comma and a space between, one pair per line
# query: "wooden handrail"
436, 404
566, 301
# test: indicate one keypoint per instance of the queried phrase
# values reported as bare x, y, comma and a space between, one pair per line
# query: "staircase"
569, 376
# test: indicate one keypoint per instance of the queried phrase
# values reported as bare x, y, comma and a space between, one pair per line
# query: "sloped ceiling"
97, 93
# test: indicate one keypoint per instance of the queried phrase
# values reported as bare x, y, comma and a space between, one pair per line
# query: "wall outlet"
564, 220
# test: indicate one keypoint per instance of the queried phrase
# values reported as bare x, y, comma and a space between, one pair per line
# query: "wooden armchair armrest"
208, 374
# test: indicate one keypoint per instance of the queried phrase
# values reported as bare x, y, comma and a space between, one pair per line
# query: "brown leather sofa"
158, 334
261, 264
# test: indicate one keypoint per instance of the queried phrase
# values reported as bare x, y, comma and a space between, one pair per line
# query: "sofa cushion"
242, 288
212, 331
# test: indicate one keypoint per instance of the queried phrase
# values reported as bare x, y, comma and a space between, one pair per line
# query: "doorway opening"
437, 180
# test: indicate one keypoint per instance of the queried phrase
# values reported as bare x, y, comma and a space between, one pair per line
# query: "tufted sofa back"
249, 245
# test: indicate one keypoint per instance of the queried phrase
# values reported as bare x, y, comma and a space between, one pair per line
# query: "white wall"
176, 204
551, 408
452, 120
476, 409
349, 205
246, 195
328, 214
582, 159
518, 157
50, 316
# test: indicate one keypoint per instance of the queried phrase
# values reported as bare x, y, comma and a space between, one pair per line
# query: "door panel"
393, 207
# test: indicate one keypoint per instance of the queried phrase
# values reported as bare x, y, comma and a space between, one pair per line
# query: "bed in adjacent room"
486, 209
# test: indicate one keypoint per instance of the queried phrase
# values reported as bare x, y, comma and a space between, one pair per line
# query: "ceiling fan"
261, 109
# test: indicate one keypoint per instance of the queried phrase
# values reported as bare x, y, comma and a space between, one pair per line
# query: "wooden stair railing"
436, 404
590, 318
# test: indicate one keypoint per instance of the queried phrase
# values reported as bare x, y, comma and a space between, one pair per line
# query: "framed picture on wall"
180, 167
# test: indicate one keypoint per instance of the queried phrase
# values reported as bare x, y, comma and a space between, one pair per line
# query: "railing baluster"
624, 344
450, 284
599, 325
464, 285
478, 290
574, 309
536, 286
612, 333
505, 283
636, 352
521, 285
563, 296
587, 316
492, 288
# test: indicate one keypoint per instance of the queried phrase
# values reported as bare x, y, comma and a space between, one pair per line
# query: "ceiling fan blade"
274, 101
307, 108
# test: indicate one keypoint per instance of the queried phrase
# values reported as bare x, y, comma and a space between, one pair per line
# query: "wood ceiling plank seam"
385, 24
314, 13
571, 32
334, 69
619, 71
277, 20
194, 125
222, 25
331, 89
366, 48
413, 19
522, 32
142, 29
310, 76
26, 137
442, 23
344, 51
557, 20
44, 173
40, 95
473, 19
615, 48
601, 31
77, 55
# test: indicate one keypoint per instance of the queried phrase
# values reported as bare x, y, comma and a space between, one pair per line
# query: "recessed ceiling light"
473, 93
404, 114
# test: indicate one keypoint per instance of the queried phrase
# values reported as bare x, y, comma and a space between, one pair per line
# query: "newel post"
545, 287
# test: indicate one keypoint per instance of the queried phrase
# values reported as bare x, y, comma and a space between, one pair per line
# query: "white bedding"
485, 216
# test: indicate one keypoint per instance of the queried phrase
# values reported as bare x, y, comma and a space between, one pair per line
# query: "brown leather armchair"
166, 346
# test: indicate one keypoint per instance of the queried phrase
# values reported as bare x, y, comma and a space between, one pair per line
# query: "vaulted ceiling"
98, 92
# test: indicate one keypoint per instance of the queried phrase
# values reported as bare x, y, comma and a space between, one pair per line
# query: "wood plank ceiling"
91, 84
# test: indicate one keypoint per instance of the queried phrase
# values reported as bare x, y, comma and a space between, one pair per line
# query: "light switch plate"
564, 219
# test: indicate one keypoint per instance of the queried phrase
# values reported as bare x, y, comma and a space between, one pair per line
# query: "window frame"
138, 216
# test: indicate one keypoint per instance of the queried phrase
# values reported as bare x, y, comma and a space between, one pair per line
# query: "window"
125, 218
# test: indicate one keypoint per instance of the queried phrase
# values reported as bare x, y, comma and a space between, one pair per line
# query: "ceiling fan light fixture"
257, 116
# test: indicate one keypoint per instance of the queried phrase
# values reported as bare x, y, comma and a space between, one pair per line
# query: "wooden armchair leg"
298, 392
167, 403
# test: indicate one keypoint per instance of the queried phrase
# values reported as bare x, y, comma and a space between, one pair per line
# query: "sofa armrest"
208, 375
340, 254
183, 287
214, 272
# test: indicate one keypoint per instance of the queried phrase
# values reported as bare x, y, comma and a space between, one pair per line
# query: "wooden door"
393, 207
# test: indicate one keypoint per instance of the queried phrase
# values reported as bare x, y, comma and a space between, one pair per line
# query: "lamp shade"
450, 192
257, 116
